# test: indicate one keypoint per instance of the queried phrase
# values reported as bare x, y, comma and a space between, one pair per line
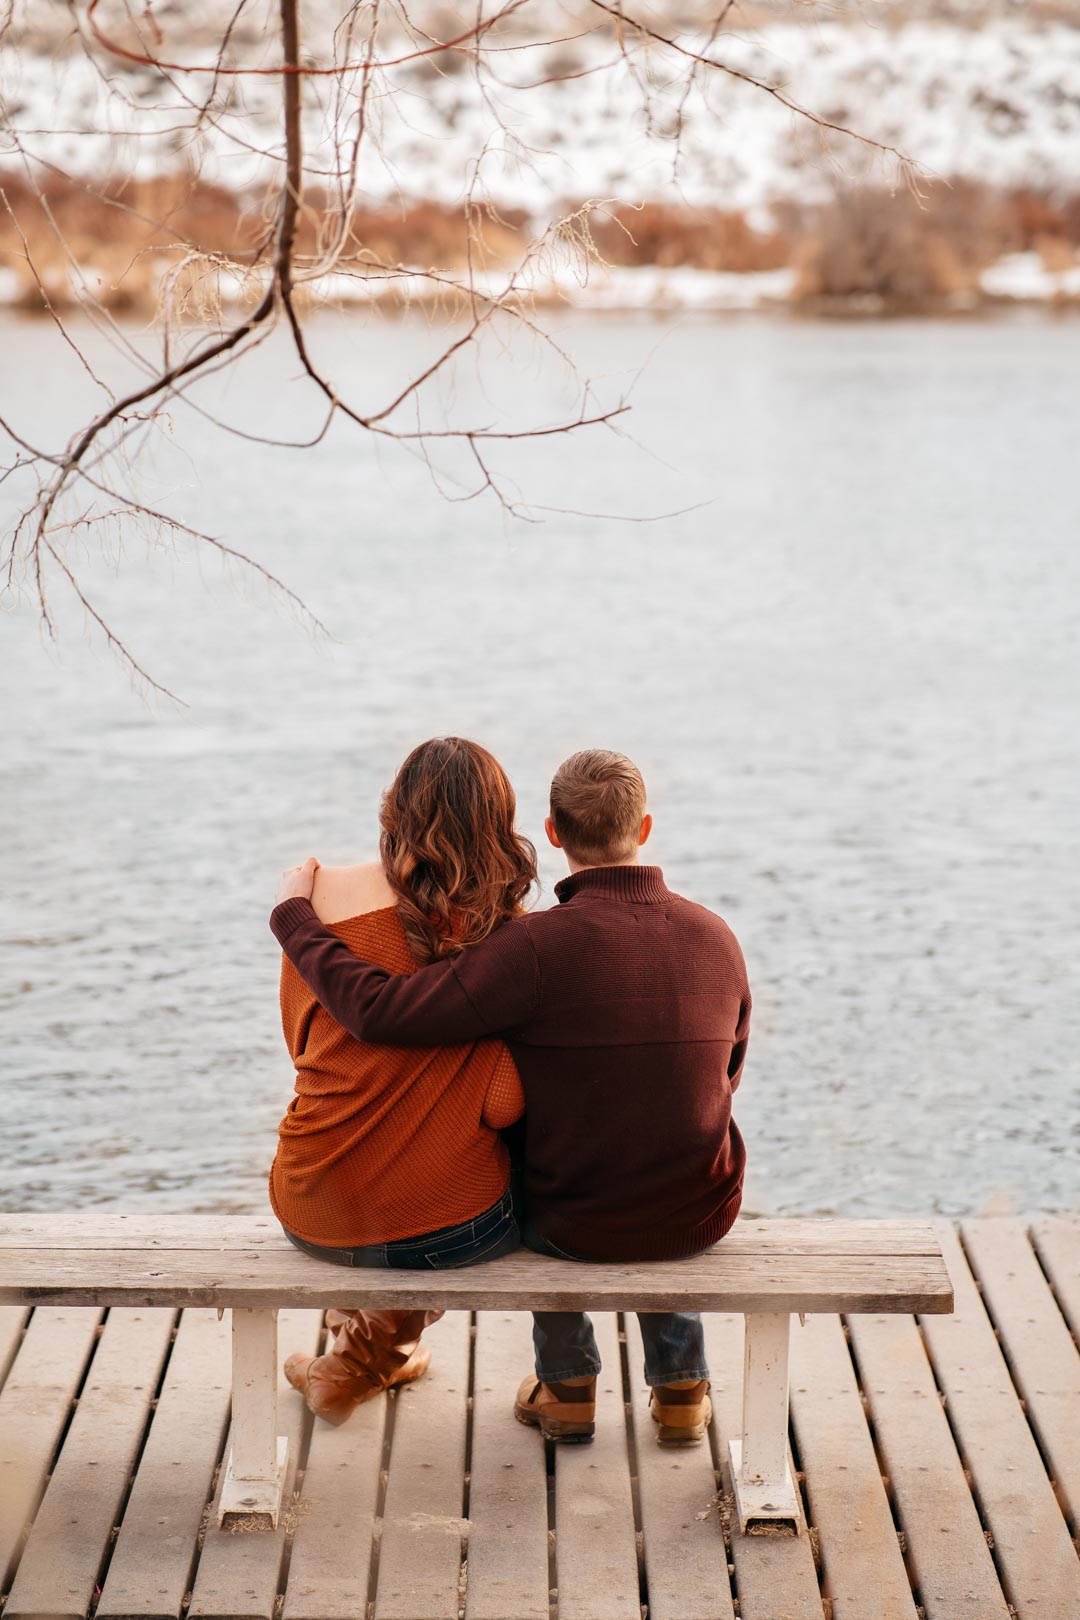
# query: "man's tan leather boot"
683, 1412
372, 1351
560, 1411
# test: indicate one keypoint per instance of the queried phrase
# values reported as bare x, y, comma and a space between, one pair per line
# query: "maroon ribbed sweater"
626, 1009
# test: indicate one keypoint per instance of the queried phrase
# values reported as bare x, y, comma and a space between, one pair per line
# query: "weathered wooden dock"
938, 1459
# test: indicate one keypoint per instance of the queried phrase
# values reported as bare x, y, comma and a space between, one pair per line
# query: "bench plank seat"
138, 1230
760, 1266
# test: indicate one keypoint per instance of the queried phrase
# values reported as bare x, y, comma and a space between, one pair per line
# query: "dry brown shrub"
903, 251
128, 237
429, 235
896, 251
1036, 217
704, 238
119, 235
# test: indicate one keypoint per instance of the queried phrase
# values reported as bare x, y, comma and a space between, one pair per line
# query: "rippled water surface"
850, 678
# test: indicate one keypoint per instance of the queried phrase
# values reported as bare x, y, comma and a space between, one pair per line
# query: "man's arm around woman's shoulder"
490, 988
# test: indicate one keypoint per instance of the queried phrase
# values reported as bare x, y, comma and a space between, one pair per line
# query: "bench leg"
255, 1473
764, 1488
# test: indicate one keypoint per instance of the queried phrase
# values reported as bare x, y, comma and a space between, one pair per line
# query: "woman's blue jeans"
493, 1233
565, 1344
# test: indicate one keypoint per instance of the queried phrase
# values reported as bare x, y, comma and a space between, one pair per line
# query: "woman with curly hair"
392, 1156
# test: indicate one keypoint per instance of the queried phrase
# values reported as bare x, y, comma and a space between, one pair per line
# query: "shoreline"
1016, 282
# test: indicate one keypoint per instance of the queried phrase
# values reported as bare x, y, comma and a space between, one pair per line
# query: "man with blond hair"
627, 1011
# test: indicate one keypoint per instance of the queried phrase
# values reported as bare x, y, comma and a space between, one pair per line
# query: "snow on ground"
603, 287
1024, 278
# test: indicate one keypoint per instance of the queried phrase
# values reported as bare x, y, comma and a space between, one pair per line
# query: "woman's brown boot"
372, 1351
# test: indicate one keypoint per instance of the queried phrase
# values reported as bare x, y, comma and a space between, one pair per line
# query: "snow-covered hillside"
554, 120
1000, 105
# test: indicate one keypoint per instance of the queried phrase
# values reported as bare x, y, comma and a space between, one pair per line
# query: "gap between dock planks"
150, 1570
508, 1562
1037, 1344
239, 1569
774, 1574
1033, 1552
686, 1561
1057, 1244
72, 1531
420, 1556
13, 1320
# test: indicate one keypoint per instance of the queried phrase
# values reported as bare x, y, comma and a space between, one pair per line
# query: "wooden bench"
768, 1270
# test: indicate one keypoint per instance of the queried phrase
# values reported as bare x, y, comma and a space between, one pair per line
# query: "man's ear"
552, 836
646, 829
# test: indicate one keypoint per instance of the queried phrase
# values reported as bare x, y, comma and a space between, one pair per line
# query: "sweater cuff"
286, 918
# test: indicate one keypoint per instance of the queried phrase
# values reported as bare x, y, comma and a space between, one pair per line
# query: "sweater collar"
640, 883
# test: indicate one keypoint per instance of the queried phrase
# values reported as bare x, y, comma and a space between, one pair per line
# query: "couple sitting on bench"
436, 1025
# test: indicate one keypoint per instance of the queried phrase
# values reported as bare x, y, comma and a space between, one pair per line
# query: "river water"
849, 673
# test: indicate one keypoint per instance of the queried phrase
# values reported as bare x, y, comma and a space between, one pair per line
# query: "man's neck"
596, 866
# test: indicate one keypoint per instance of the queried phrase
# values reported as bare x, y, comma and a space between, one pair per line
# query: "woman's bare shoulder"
349, 891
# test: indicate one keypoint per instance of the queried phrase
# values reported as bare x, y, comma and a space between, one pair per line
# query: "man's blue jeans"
566, 1345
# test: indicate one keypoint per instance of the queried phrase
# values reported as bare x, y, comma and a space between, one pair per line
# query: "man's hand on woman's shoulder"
298, 882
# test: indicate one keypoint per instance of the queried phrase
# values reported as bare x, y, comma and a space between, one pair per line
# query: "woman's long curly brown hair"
449, 848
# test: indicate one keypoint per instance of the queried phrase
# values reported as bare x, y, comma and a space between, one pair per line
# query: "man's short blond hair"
597, 805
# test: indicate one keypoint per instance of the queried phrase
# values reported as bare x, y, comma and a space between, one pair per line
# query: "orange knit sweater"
381, 1142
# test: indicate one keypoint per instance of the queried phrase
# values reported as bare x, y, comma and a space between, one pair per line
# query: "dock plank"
72, 1530
508, 1530
1035, 1557
420, 1556
686, 1564
595, 1537
774, 1575
1057, 1243
1036, 1340
946, 1549
238, 1573
150, 1569
863, 1568
34, 1406
333, 1543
